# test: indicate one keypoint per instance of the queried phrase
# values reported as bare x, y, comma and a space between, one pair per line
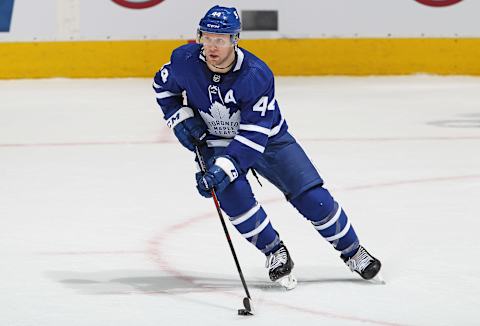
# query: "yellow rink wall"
286, 57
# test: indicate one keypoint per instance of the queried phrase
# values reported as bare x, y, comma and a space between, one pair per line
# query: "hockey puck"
244, 312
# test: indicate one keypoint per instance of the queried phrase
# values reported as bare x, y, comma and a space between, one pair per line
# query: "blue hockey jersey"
238, 107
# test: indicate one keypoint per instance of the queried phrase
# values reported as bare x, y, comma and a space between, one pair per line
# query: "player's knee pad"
315, 204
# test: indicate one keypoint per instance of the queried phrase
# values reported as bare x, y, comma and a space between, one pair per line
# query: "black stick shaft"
222, 220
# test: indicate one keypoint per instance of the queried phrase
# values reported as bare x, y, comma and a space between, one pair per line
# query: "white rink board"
48, 20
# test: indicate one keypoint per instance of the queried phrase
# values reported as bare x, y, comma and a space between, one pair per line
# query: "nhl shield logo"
216, 78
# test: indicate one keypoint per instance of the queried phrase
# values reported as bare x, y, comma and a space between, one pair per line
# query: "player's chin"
215, 62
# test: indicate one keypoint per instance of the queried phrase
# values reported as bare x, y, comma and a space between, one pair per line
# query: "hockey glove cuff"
189, 128
224, 171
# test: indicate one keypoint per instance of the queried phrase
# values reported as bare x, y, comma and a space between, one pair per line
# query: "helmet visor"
220, 41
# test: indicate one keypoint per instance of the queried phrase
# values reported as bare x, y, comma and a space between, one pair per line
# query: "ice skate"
367, 266
280, 267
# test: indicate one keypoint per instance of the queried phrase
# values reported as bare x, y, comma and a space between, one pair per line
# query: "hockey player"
231, 108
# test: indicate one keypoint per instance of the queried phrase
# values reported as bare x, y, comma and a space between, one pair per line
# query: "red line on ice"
155, 247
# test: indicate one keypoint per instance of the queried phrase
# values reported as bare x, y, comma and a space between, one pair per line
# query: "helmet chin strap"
223, 67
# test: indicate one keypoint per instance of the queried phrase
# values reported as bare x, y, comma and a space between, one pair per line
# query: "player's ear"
199, 35
234, 38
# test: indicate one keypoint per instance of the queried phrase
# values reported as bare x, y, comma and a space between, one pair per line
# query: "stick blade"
248, 308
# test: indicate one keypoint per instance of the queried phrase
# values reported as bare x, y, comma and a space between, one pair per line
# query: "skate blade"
378, 279
289, 282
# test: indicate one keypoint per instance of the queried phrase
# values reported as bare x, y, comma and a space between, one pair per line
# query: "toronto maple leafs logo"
219, 120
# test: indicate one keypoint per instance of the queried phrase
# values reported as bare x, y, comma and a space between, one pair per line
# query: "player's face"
218, 48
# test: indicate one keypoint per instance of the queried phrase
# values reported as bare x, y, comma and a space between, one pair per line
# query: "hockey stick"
247, 300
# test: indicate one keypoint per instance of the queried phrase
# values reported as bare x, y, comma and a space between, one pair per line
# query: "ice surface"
100, 222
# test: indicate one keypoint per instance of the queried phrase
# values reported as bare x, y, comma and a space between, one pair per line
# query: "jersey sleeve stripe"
218, 142
275, 130
166, 94
255, 128
249, 143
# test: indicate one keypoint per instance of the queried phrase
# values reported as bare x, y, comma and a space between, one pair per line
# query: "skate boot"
363, 263
280, 267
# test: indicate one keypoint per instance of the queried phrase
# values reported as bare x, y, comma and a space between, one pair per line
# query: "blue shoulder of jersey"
183, 56
255, 76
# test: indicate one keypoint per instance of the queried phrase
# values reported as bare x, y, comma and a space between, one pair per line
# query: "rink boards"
286, 57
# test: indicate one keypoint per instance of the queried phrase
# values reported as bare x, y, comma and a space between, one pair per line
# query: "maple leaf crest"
220, 122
